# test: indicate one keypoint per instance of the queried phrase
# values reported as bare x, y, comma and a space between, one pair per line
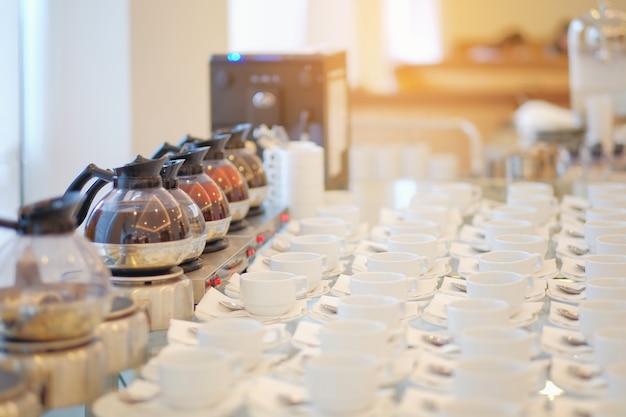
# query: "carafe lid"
192, 158
141, 167
216, 144
239, 134
600, 32
169, 173
52, 216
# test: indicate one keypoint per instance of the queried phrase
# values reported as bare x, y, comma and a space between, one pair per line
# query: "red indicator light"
217, 281
260, 239
284, 217
250, 252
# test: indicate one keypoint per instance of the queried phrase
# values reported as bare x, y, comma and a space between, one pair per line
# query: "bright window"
413, 30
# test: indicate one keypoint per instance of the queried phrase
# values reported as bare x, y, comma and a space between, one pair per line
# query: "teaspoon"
583, 372
232, 305
437, 340
291, 399
330, 307
440, 369
574, 341
575, 233
570, 290
577, 250
568, 314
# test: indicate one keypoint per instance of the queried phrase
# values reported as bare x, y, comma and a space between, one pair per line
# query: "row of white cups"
360, 334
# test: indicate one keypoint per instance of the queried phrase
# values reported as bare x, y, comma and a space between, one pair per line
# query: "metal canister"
15, 399
125, 335
167, 296
62, 373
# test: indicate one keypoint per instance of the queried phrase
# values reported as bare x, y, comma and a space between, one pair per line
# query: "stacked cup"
296, 177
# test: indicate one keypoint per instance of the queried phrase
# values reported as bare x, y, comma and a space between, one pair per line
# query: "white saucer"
306, 336
424, 374
321, 314
563, 247
468, 266
425, 288
563, 378
110, 405
474, 236
571, 270
399, 367
322, 288
150, 372
570, 406
552, 341
464, 250
263, 401
557, 294
441, 268
558, 319
209, 308
434, 313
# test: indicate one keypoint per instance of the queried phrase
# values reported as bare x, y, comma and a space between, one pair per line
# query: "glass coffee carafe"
596, 44
204, 191
138, 226
224, 173
53, 284
247, 162
169, 175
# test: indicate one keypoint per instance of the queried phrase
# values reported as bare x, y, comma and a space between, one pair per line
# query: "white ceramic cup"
522, 242
596, 188
431, 198
523, 188
499, 285
419, 244
330, 246
611, 244
389, 310
463, 313
516, 212
609, 200
424, 227
609, 345
497, 341
479, 407
348, 212
524, 263
605, 213
596, 314
270, 293
408, 264
601, 266
335, 226
359, 335
546, 205
393, 284
463, 195
495, 228
196, 377
616, 383
342, 383
429, 212
605, 288
246, 336
492, 377
310, 264
596, 228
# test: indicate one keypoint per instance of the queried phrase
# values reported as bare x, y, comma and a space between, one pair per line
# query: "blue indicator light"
233, 57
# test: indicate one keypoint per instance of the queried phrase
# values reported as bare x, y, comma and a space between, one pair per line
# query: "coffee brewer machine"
307, 94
